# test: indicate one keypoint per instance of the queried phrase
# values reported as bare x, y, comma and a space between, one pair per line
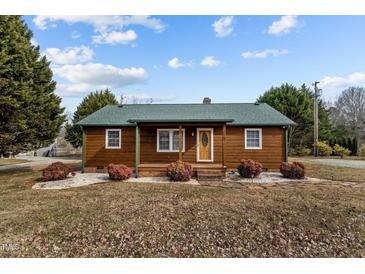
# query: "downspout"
83, 151
137, 152
286, 144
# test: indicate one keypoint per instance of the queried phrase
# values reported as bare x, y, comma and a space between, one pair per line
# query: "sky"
181, 59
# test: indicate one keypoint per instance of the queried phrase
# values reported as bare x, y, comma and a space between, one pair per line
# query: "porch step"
210, 175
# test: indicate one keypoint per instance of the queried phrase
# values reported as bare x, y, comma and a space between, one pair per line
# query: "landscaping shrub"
56, 171
341, 151
296, 170
324, 149
179, 171
119, 172
300, 151
249, 168
362, 151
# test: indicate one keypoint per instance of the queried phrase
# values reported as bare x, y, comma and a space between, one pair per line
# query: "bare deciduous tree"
350, 110
135, 99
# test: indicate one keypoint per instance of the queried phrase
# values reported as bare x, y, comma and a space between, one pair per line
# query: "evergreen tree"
297, 104
91, 103
30, 112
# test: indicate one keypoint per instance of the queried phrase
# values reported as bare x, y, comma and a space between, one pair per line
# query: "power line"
315, 118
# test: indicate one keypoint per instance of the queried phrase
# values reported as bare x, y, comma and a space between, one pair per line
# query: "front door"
205, 145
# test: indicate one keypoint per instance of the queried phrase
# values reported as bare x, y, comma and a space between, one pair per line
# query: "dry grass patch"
171, 220
322, 171
7, 161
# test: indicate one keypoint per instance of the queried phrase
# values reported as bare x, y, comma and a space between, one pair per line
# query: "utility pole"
315, 118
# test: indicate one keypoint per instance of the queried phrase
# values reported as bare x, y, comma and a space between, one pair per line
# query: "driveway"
37, 163
340, 163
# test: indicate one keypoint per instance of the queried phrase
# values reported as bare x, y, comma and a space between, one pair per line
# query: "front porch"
200, 144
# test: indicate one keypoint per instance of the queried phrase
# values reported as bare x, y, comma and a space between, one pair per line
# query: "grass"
7, 161
171, 220
319, 170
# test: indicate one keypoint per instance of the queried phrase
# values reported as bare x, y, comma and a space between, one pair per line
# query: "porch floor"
158, 169
195, 166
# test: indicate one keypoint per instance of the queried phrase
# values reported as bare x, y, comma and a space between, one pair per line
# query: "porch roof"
246, 114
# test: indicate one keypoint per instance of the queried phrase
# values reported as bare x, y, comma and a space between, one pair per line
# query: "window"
168, 140
253, 138
112, 138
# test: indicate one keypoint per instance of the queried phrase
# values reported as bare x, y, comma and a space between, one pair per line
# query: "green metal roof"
248, 114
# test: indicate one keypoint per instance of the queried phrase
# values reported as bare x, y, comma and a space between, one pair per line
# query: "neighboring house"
60, 147
147, 137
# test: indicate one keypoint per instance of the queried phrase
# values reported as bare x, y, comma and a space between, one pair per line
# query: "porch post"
286, 144
83, 151
180, 143
223, 143
137, 151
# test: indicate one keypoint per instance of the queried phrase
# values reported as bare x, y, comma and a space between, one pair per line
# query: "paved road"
37, 163
341, 163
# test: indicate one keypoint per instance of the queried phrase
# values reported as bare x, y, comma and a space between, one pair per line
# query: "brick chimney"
207, 101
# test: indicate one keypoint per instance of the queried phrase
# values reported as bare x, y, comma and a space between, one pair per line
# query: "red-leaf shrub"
296, 170
249, 168
179, 171
119, 172
56, 171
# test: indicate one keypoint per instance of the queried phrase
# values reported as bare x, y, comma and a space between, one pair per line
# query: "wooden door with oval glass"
205, 145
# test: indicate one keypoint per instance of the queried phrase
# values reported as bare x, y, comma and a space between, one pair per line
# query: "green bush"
324, 149
57, 171
341, 151
362, 151
296, 170
179, 171
119, 172
249, 168
300, 151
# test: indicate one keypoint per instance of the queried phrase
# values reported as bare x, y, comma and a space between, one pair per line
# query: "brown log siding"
271, 154
97, 155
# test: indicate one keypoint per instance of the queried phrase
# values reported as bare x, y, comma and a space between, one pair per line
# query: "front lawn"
172, 220
329, 172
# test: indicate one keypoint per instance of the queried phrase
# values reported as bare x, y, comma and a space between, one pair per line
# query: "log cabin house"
212, 137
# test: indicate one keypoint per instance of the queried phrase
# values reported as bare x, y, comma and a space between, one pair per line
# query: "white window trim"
106, 138
211, 145
170, 130
260, 138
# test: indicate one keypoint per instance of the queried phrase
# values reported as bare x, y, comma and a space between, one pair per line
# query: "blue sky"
181, 59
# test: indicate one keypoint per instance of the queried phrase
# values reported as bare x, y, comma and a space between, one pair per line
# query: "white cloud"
355, 78
175, 63
108, 29
284, 26
223, 26
101, 21
82, 78
114, 37
69, 55
75, 34
34, 42
210, 61
264, 53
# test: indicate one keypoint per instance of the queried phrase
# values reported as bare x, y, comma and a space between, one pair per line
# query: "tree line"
342, 122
